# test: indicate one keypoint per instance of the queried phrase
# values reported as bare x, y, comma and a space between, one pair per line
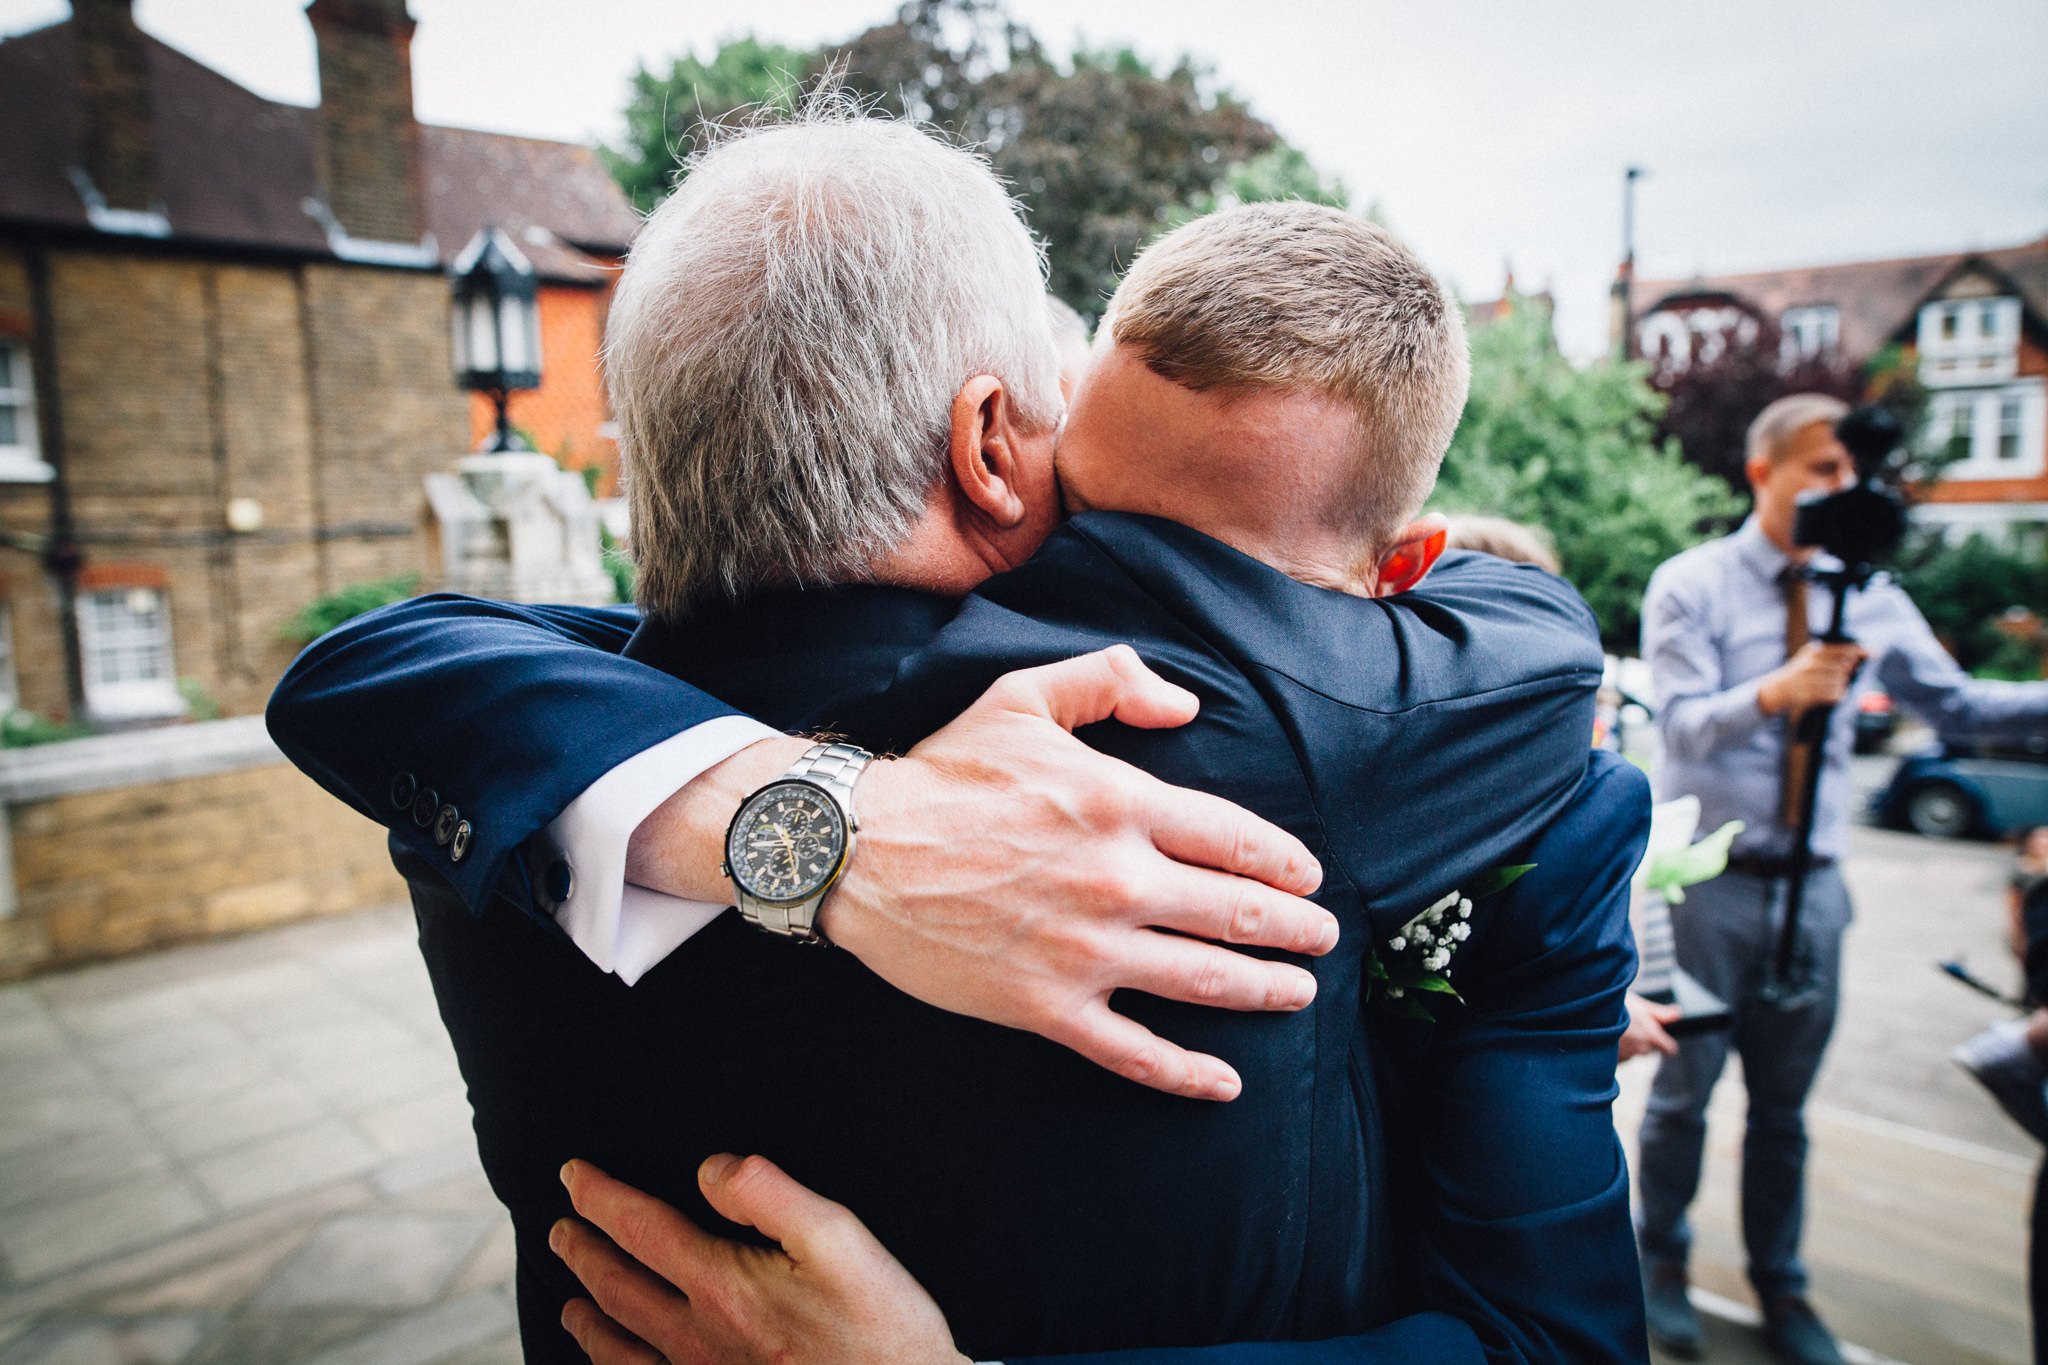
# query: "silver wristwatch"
791, 839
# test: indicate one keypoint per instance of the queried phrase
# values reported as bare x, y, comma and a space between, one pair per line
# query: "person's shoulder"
1573, 902
1491, 586
1601, 831
1697, 564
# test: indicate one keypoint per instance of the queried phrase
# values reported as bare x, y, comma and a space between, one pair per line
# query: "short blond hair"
1307, 298
1777, 424
1503, 539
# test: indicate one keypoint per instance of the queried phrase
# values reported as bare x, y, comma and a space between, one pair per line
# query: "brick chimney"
111, 69
369, 143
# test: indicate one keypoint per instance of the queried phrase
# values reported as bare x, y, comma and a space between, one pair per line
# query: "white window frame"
1810, 330
126, 654
1985, 346
21, 461
1986, 410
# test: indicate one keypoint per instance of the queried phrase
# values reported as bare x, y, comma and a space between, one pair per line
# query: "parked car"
1876, 720
1961, 789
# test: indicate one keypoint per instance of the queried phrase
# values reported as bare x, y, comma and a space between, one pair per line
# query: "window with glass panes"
1959, 434
2010, 412
17, 406
125, 640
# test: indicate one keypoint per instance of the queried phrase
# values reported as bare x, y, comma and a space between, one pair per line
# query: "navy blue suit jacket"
1411, 744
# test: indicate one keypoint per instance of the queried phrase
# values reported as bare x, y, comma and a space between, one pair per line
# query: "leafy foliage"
323, 614
1104, 151
1964, 589
1711, 402
618, 564
1575, 451
199, 703
667, 111
23, 729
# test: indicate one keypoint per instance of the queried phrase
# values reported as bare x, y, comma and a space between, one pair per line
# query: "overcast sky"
1775, 132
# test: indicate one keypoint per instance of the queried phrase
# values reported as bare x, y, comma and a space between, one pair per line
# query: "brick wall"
99, 873
323, 391
563, 415
369, 144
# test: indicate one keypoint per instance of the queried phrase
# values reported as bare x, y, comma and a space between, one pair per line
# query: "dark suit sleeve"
505, 711
1527, 1253
1525, 1203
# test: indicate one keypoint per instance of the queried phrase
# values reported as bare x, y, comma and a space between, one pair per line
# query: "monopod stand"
1792, 982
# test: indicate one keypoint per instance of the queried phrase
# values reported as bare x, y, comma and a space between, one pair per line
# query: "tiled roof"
236, 169
1877, 299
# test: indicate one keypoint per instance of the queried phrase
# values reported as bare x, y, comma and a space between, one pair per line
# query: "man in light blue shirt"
1724, 631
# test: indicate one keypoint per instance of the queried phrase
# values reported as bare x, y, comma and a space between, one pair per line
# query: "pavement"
257, 1151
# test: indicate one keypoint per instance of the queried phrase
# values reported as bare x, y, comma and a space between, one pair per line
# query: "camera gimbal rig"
1857, 526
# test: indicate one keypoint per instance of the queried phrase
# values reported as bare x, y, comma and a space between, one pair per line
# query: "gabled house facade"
1972, 325
225, 361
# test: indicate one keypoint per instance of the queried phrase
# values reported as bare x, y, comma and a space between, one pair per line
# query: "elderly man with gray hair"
837, 386
1726, 633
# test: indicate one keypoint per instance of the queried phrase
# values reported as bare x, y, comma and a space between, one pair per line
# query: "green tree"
1963, 589
1574, 450
666, 112
1282, 171
1104, 151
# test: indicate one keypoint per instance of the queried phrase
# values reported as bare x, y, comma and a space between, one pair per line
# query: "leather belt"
1772, 868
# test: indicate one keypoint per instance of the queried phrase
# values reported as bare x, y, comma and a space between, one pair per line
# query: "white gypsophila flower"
1396, 992
1464, 909
1420, 936
1439, 959
1397, 943
1461, 931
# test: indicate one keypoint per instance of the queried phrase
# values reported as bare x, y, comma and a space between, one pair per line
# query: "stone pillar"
517, 526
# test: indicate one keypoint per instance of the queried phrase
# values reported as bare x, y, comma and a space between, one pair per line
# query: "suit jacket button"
424, 805
403, 787
444, 824
459, 848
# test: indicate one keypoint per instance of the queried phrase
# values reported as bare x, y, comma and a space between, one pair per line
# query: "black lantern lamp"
496, 325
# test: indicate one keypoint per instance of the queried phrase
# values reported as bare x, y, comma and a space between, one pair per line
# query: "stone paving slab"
194, 1170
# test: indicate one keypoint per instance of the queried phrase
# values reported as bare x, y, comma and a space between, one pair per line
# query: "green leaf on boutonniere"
1498, 880
1439, 984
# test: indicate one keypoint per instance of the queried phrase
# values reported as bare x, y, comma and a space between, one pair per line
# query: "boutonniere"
1410, 974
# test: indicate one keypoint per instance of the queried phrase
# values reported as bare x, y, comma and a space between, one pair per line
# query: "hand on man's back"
1008, 872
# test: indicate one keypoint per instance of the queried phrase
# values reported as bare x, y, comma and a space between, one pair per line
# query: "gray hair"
787, 338
1778, 423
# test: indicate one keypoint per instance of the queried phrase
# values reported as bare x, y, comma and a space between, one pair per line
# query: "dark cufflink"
558, 882
424, 805
444, 824
403, 787
459, 847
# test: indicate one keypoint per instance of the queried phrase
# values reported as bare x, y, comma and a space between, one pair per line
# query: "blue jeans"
1726, 932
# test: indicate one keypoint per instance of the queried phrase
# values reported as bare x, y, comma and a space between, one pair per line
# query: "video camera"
1865, 522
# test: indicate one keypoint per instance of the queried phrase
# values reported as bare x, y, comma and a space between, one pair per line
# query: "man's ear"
982, 450
1416, 549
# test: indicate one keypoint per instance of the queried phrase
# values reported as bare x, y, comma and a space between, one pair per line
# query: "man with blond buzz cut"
1727, 631
1257, 541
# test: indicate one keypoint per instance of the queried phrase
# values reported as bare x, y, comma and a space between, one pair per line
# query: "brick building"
1973, 324
224, 346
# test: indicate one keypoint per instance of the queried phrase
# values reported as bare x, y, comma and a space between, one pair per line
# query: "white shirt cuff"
628, 929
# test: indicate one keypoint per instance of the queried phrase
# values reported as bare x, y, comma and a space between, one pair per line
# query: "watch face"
787, 842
